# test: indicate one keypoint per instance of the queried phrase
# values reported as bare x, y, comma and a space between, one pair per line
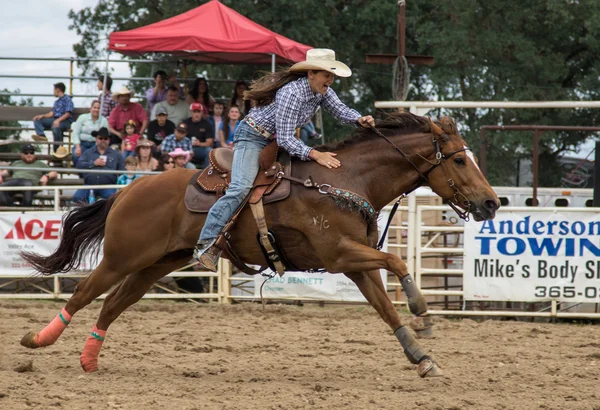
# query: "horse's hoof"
423, 326
429, 368
88, 365
29, 340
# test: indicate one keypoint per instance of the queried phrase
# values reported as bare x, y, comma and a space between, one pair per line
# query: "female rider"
284, 101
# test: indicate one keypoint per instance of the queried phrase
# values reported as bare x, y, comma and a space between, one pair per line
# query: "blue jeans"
6, 197
307, 131
57, 132
201, 156
83, 195
248, 144
85, 145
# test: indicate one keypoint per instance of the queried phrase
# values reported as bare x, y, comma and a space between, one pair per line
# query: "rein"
440, 159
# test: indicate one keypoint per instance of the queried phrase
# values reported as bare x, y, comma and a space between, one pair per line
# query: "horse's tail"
82, 232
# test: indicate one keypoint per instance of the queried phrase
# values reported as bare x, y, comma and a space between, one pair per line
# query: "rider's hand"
366, 121
326, 159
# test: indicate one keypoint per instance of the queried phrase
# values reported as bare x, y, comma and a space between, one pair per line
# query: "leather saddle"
207, 186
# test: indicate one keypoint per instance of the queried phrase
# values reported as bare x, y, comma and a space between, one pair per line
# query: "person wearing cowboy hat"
143, 153
283, 101
125, 111
100, 156
180, 157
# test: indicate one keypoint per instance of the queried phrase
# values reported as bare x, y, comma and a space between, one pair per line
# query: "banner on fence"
37, 232
320, 286
536, 256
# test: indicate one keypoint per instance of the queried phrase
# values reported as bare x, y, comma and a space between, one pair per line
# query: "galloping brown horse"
148, 232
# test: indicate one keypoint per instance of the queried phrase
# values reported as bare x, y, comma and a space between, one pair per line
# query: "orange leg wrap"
91, 351
52, 332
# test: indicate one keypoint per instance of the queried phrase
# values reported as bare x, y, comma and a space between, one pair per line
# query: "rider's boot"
207, 253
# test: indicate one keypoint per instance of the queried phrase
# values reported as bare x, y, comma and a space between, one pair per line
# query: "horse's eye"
459, 161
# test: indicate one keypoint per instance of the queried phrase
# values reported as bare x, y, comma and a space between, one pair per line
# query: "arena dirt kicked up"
185, 356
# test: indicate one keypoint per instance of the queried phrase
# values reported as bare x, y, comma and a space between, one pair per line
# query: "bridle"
459, 203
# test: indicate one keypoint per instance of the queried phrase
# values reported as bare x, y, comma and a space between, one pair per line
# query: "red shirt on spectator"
119, 116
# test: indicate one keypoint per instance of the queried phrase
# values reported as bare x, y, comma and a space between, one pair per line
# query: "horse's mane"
395, 123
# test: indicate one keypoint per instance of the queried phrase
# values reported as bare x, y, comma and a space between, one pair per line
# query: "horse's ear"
435, 129
448, 125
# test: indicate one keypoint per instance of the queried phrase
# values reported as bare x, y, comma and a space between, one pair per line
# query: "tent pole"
272, 63
104, 82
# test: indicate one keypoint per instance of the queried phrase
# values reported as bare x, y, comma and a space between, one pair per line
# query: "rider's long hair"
262, 91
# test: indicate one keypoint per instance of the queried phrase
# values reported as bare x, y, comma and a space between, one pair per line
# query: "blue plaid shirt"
170, 143
62, 105
294, 104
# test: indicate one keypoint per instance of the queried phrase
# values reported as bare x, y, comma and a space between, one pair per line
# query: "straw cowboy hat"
322, 59
61, 152
178, 152
121, 91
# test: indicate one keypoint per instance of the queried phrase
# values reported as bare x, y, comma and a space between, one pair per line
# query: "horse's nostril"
491, 205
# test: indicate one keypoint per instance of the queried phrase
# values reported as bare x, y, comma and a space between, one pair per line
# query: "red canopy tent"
211, 33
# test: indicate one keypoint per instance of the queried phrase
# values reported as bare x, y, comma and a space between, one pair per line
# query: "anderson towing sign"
533, 256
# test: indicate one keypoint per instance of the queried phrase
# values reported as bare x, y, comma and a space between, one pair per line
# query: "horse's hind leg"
99, 281
371, 286
126, 294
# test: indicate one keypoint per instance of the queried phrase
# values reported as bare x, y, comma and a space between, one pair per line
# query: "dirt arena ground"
173, 355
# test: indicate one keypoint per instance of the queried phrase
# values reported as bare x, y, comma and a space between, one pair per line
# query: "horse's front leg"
352, 256
372, 288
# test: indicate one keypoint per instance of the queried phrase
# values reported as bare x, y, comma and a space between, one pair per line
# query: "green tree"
503, 51
511, 51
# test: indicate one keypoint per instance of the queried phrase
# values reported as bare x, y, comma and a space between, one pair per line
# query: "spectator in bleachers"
158, 93
201, 133
81, 136
130, 165
58, 120
165, 163
125, 111
105, 97
130, 139
181, 157
178, 140
228, 126
25, 177
161, 127
177, 109
215, 120
199, 93
238, 98
101, 156
143, 153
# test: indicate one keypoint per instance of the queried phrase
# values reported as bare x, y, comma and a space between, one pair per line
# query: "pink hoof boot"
429, 368
48, 335
91, 351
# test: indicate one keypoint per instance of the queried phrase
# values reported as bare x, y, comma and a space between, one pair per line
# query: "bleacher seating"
16, 113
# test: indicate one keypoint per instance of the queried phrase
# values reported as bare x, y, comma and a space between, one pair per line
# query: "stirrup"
207, 254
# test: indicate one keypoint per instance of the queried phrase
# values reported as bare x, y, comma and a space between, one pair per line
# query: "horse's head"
457, 177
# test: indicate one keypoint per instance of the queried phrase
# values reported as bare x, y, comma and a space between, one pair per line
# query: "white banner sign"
320, 286
536, 256
37, 232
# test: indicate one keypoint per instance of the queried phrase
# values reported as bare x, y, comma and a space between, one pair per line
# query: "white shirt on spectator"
176, 113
